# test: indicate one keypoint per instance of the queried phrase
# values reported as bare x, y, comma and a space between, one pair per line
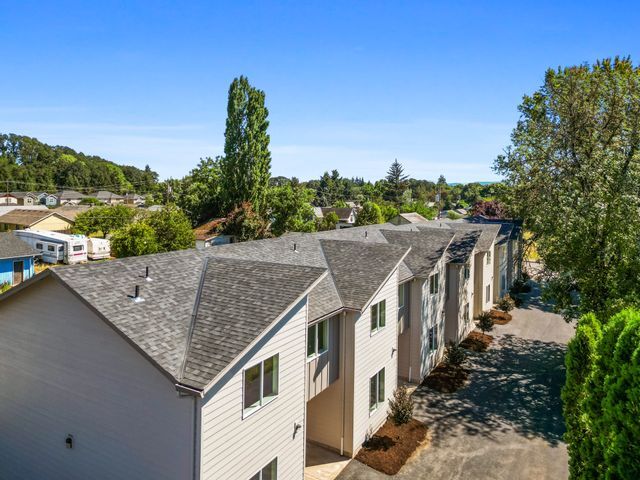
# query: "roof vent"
146, 275
295, 247
366, 234
136, 298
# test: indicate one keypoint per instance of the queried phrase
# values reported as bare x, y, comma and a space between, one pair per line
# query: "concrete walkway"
507, 423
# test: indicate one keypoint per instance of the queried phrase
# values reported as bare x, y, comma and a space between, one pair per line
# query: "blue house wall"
6, 269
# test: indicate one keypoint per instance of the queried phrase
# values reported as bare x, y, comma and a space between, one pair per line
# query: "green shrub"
4, 287
454, 354
485, 322
401, 406
506, 303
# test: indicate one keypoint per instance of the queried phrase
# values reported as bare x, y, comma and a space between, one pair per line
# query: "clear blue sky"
350, 85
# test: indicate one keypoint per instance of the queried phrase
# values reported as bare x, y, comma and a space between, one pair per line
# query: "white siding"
233, 447
460, 293
64, 371
372, 352
487, 280
500, 269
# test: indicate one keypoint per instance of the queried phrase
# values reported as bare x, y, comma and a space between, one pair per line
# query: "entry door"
18, 268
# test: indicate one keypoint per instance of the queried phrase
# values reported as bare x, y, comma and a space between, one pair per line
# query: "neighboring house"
109, 198
134, 199
154, 208
66, 197
408, 218
208, 235
20, 219
26, 198
8, 199
72, 211
16, 260
48, 199
462, 211
346, 216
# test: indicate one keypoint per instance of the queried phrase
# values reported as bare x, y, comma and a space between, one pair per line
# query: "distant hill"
27, 164
484, 184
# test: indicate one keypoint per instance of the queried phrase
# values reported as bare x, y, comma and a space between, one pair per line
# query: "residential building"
72, 197
25, 198
346, 216
16, 260
72, 211
134, 199
8, 199
109, 198
408, 218
208, 234
48, 199
20, 219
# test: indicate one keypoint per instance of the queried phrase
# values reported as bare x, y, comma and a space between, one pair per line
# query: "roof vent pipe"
136, 296
366, 234
146, 275
295, 247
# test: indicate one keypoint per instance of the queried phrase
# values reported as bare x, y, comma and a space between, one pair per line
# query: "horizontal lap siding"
487, 279
371, 354
64, 371
237, 448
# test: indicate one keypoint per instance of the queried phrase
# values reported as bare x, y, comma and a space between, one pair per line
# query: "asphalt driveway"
507, 423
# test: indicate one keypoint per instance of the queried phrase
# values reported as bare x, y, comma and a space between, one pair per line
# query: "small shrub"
485, 322
4, 287
454, 354
401, 406
506, 303
519, 286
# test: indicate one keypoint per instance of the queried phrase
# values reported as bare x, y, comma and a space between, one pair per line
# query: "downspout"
411, 321
344, 379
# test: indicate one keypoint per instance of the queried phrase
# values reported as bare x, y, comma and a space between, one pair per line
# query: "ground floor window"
260, 384
376, 390
488, 293
268, 472
465, 313
433, 337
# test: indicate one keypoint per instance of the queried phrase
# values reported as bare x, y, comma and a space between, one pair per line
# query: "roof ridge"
330, 272
194, 315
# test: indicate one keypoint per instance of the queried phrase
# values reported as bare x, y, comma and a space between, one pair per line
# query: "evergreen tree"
246, 165
396, 182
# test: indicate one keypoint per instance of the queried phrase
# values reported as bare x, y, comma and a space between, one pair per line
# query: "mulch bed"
500, 317
477, 341
446, 378
391, 446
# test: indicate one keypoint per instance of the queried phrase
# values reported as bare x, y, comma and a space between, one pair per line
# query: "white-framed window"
433, 337
318, 339
488, 293
467, 272
268, 472
401, 295
378, 316
434, 283
465, 314
503, 282
489, 257
376, 390
260, 384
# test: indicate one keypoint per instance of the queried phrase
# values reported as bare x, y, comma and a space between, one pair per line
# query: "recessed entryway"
322, 463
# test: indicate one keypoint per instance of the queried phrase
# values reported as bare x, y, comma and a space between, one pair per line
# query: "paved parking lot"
507, 423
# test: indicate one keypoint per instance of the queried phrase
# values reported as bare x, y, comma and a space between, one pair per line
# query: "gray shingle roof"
27, 217
12, 247
462, 246
413, 217
428, 246
238, 301
506, 226
359, 269
488, 232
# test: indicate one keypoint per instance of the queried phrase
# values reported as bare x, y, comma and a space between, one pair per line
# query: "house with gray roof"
70, 197
109, 198
17, 260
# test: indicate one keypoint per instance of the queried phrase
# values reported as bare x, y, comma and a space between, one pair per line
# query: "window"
489, 257
39, 246
51, 248
401, 294
268, 472
465, 314
433, 337
77, 248
467, 272
503, 282
260, 384
434, 283
378, 315
376, 390
318, 339
488, 293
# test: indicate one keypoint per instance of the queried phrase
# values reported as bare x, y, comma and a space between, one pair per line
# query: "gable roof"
343, 213
506, 227
488, 232
413, 217
208, 229
28, 217
106, 195
428, 246
70, 195
12, 247
462, 246
23, 194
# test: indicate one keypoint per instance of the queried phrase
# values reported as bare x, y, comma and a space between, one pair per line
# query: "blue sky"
350, 85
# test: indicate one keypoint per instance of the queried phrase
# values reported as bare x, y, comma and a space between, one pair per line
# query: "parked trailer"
98, 248
56, 247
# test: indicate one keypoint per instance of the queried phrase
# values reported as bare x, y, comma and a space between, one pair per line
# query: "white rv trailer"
98, 248
56, 247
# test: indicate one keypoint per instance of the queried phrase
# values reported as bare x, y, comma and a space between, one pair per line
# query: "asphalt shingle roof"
12, 247
428, 246
462, 246
23, 216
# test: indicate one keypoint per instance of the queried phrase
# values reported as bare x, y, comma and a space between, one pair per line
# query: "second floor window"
467, 272
401, 294
434, 283
488, 293
318, 339
378, 315
489, 257
260, 384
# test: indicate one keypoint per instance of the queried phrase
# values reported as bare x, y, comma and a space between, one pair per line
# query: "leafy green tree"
420, 208
90, 201
291, 210
388, 212
244, 223
329, 222
246, 165
200, 192
103, 220
172, 229
572, 174
369, 214
396, 182
340, 204
134, 240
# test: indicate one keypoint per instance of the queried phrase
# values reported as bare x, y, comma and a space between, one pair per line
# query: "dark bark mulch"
500, 317
477, 341
446, 378
392, 445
